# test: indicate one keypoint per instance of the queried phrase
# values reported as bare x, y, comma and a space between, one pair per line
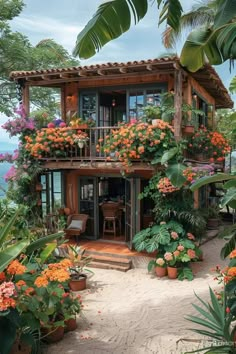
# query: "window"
52, 191
141, 98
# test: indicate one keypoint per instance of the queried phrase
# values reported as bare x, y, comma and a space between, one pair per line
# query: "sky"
62, 20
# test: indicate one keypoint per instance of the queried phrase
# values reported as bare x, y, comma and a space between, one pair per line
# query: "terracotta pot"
188, 129
77, 284
212, 224
161, 271
70, 324
52, 334
67, 211
19, 347
172, 272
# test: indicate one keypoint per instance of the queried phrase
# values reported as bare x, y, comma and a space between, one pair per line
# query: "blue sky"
62, 20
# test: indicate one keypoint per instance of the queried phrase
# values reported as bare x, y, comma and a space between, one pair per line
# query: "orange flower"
20, 283
232, 272
15, 267
233, 254
2, 277
41, 282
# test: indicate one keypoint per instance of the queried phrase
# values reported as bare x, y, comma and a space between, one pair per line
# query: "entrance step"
108, 261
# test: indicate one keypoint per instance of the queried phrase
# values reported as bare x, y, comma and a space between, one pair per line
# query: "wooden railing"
87, 153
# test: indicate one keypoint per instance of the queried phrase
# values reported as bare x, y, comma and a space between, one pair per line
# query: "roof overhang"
206, 77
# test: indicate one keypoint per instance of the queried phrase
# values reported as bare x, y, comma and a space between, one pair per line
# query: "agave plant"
216, 325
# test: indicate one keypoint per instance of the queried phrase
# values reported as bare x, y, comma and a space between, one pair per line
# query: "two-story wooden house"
109, 93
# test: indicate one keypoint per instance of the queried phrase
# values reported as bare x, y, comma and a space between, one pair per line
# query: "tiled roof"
206, 77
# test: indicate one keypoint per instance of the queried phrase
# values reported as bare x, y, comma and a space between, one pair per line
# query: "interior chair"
76, 224
111, 217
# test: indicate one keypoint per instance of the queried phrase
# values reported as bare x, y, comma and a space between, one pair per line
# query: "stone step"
114, 266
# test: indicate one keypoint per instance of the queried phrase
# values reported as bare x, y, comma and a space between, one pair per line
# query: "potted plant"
71, 306
212, 216
77, 268
160, 266
81, 139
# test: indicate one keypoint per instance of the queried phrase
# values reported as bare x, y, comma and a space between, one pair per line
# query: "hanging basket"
188, 130
81, 144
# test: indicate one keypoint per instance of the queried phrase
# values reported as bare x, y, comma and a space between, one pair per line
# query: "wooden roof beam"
149, 67
100, 72
82, 73
123, 70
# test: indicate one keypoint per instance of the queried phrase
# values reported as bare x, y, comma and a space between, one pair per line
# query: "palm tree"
114, 17
214, 39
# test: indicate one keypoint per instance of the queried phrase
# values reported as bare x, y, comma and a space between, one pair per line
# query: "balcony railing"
89, 151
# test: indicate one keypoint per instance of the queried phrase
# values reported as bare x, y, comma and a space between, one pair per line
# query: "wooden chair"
76, 224
111, 217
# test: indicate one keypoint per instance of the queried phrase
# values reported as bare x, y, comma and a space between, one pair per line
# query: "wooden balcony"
88, 157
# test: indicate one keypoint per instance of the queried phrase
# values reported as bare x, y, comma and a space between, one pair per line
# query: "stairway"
106, 260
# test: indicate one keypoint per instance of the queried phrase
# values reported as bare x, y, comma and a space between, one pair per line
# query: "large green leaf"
111, 20
168, 155
226, 12
6, 229
228, 197
11, 253
171, 12
175, 174
38, 244
47, 251
200, 44
219, 177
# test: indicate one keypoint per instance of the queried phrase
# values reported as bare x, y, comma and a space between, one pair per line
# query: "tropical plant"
139, 140
210, 143
216, 323
114, 18
78, 261
51, 141
229, 233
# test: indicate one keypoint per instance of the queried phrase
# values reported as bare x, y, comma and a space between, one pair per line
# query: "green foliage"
216, 325
9, 251
113, 18
185, 273
17, 53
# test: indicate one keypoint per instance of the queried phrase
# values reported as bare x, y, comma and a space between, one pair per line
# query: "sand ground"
136, 312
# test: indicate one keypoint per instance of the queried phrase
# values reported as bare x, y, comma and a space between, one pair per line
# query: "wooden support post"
178, 104
25, 99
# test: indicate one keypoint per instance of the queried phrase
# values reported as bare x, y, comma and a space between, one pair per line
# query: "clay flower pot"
78, 282
161, 271
172, 272
70, 324
53, 334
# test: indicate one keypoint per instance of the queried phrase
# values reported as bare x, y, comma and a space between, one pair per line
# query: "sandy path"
135, 312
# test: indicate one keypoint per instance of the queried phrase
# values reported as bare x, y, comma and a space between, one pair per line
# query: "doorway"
94, 192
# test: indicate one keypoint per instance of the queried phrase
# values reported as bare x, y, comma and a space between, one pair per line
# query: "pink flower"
190, 236
7, 289
176, 253
180, 248
51, 125
174, 235
11, 174
168, 256
191, 254
62, 125
160, 261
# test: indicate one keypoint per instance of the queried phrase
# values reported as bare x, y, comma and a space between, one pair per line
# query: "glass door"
132, 209
88, 204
